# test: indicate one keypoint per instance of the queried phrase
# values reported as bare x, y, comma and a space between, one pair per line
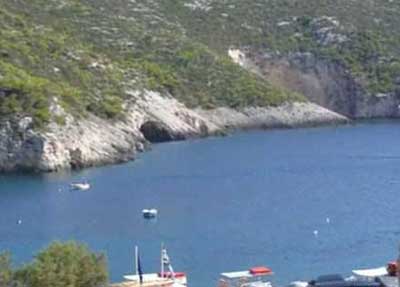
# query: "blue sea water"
226, 204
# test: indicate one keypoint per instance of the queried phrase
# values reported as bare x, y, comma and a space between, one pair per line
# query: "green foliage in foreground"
60, 265
6, 272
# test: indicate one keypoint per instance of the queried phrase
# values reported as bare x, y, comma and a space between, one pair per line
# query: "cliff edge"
91, 141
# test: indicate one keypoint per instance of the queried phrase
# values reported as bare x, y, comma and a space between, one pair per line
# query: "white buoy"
150, 213
328, 220
19, 221
315, 232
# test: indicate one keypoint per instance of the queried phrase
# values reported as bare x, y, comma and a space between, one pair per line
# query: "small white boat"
150, 213
80, 186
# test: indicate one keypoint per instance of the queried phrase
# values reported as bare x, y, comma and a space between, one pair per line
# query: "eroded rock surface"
324, 82
152, 118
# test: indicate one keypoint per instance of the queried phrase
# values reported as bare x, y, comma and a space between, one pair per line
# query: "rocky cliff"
87, 82
92, 141
323, 81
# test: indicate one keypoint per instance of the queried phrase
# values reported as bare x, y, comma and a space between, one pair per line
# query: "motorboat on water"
80, 186
370, 273
150, 213
389, 270
167, 277
374, 277
335, 280
385, 275
254, 277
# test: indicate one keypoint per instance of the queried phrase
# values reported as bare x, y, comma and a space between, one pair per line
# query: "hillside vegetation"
85, 54
362, 35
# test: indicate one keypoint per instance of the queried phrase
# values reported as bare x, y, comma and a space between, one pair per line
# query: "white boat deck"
237, 274
375, 272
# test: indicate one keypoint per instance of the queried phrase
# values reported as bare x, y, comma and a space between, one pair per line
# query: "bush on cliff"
60, 265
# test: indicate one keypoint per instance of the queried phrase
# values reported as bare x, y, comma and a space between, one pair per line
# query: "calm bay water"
226, 204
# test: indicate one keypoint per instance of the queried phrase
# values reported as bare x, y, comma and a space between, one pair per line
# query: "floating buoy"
328, 220
150, 213
19, 222
315, 232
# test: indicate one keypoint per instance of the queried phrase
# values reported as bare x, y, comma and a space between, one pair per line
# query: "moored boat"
370, 273
389, 270
254, 277
150, 213
80, 186
167, 277
374, 277
335, 280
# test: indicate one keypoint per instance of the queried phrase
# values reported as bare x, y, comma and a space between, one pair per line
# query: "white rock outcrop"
152, 118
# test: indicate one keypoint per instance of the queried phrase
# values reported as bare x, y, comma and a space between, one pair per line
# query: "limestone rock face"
326, 83
290, 115
157, 132
152, 118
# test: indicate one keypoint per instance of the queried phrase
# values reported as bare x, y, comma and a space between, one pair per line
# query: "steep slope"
87, 53
341, 54
86, 82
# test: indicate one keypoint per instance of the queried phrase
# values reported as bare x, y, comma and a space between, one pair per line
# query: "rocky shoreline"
152, 118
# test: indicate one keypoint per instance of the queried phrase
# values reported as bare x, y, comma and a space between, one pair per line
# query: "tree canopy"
60, 265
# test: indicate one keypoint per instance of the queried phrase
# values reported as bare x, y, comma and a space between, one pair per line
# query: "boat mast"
137, 260
162, 260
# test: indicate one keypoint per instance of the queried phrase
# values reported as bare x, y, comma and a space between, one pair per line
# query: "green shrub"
108, 107
6, 272
64, 265
159, 77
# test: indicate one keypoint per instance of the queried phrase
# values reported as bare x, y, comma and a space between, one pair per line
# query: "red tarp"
260, 270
